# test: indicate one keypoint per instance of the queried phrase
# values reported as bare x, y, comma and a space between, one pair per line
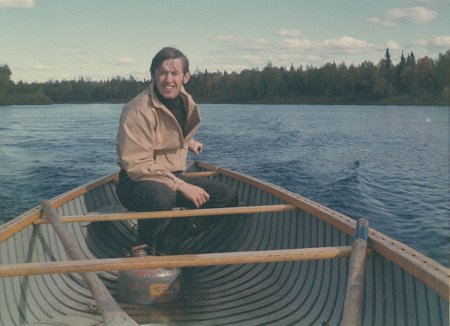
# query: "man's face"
169, 78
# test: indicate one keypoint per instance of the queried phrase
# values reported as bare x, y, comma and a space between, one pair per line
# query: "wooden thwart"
199, 174
174, 214
194, 260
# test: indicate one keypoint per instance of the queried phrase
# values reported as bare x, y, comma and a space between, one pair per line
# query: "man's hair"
168, 53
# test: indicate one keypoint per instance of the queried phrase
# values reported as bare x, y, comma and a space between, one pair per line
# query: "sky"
43, 40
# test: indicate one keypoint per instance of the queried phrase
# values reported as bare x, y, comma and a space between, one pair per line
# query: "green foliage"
18, 94
409, 82
5, 81
424, 81
25, 99
117, 89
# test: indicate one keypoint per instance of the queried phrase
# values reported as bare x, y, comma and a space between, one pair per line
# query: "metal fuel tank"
148, 286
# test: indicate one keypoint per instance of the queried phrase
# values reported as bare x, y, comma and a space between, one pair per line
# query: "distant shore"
423, 82
398, 100
42, 99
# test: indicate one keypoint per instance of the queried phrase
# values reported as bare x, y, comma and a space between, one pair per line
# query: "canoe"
277, 259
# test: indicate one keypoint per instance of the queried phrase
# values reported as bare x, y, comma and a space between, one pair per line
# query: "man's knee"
161, 198
147, 196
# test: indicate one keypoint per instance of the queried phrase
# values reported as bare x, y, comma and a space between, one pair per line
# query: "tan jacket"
150, 143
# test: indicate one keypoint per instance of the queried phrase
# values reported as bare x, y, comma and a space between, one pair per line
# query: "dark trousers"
167, 235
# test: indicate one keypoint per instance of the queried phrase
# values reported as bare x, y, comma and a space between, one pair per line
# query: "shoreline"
397, 101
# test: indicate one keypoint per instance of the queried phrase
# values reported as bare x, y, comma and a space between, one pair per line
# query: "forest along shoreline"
409, 82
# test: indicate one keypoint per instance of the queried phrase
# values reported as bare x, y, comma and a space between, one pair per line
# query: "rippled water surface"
386, 163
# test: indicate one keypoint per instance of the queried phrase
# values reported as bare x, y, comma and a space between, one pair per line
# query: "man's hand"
196, 147
198, 196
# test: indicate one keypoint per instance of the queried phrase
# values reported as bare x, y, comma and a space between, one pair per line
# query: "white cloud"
345, 42
437, 42
295, 43
416, 15
250, 53
377, 21
441, 41
396, 16
235, 53
392, 45
125, 61
290, 32
17, 3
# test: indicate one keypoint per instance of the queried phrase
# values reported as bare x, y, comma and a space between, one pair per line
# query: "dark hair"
168, 53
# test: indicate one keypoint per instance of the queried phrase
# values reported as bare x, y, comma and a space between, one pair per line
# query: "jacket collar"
155, 102
192, 116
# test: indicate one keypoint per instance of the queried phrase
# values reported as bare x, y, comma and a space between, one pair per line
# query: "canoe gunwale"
16, 225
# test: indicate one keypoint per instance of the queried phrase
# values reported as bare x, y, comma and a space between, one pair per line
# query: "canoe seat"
111, 209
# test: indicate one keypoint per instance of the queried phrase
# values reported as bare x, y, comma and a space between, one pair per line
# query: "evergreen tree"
442, 75
388, 61
401, 76
5, 81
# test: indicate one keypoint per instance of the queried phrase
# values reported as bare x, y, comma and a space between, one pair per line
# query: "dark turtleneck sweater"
176, 107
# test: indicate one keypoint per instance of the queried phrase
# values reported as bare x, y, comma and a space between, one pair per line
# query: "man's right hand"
197, 195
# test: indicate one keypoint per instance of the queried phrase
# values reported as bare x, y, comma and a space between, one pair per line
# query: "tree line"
424, 81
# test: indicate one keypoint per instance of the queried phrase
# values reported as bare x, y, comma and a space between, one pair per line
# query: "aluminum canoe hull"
401, 287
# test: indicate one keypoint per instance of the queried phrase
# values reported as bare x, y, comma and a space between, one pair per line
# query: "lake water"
386, 163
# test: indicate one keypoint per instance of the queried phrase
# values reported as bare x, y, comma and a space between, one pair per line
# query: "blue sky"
99, 39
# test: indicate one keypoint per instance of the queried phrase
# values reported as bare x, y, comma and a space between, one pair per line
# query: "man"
155, 133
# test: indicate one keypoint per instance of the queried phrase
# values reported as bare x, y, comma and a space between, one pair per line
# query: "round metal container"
148, 286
